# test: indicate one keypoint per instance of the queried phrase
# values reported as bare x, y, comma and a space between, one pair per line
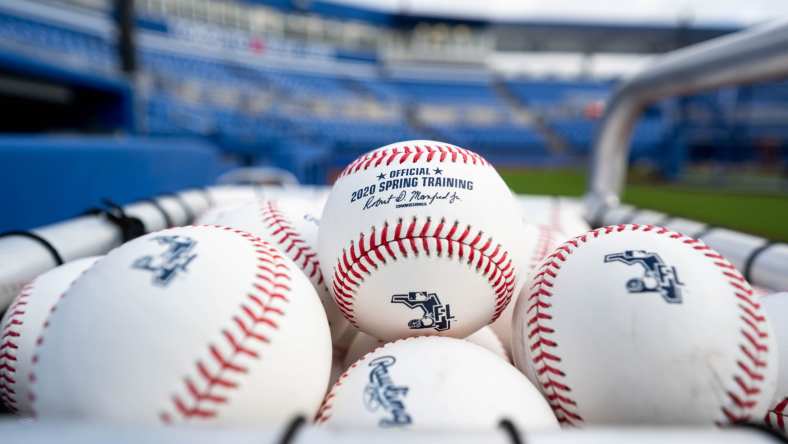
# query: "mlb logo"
657, 277
434, 313
166, 266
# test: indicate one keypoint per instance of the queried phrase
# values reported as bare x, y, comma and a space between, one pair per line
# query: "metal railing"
754, 55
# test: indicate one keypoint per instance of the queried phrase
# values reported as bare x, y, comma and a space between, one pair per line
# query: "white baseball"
635, 324
569, 218
198, 324
291, 225
212, 215
419, 238
232, 194
540, 240
337, 368
312, 196
486, 338
428, 383
21, 326
342, 344
776, 306
562, 214
364, 343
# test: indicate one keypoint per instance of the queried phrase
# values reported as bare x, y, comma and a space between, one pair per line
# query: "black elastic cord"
292, 429
43, 242
511, 431
748, 263
596, 220
167, 219
130, 227
187, 210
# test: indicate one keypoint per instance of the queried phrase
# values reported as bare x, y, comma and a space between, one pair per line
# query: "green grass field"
764, 215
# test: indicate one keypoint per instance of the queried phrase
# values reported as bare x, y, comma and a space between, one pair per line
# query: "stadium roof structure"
528, 32
607, 37
708, 12
664, 14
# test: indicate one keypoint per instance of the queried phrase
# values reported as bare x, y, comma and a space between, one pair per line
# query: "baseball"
291, 225
432, 383
636, 324
776, 306
21, 326
200, 324
314, 197
420, 238
364, 343
212, 215
561, 214
539, 242
232, 194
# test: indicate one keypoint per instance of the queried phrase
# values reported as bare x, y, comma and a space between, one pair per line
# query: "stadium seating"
277, 111
260, 110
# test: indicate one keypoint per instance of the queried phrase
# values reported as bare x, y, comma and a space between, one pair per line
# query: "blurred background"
129, 99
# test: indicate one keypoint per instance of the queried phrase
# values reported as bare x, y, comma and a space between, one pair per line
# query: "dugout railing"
754, 55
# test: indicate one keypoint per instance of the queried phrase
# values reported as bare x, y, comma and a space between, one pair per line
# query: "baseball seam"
543, 347
778, 412
291, 240
269, 283
443, 152
9, 347
545, 241
372, 249
324, 412
555, 214
40, 341
269, 288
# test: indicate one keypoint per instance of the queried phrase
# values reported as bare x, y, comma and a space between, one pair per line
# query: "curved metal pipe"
756, 54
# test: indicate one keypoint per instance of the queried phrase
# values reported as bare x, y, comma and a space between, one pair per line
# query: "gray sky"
703, 11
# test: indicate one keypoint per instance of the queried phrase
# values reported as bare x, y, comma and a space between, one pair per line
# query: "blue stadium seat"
265, 112
72, 173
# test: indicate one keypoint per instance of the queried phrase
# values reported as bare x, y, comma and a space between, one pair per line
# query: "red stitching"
8, 348
746, 383
291, 240
375, 248
544, 245
218, 374
402, 154
324, 412
270, 285
555, 215
778, 413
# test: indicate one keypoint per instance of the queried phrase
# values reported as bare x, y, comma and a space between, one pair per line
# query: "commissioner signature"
413, 198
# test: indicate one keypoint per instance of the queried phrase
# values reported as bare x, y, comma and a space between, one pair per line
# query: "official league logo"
433, 313
382, 393
174, 259
658, 276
